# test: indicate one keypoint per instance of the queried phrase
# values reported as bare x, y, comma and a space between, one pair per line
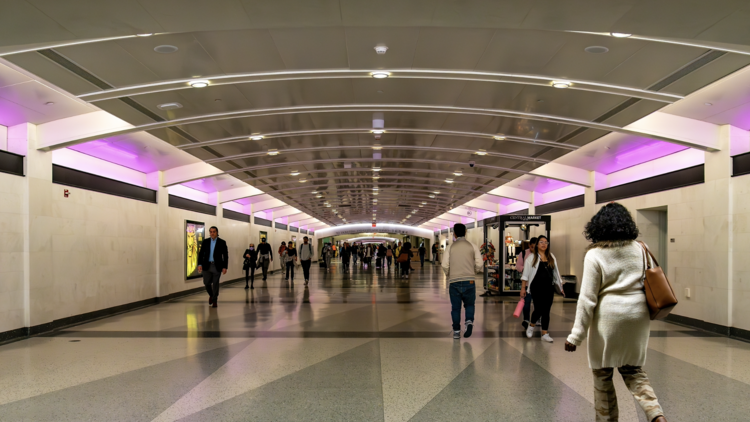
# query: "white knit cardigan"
612, 307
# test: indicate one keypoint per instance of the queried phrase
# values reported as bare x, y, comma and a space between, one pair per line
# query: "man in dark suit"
214, 258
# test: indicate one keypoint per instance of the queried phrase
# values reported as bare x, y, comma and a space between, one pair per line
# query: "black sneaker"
469, 328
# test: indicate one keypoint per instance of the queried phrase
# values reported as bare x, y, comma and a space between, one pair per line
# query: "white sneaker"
456, 334
547, 338
530, 331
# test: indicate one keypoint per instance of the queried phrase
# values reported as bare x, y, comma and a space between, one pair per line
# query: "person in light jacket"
540, 275
612, 310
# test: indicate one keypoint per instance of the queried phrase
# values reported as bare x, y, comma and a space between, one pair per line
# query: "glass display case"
503, 238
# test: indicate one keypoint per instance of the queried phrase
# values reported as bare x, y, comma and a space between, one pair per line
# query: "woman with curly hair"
612, 309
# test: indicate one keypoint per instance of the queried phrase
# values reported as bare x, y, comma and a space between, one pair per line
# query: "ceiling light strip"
462, 75
342, 108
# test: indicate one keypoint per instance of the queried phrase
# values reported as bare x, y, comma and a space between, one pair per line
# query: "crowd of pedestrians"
612, 312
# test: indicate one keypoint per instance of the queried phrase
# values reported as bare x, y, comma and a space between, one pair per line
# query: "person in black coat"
214, 259
250, 258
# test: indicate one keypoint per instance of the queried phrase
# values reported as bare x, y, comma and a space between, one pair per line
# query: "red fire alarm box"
373, 224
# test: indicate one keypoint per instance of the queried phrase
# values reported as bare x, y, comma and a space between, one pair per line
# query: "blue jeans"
466, 292
527, 310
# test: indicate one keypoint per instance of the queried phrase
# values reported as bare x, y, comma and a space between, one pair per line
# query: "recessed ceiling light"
437, 192
294, 173
708, 104
620, 34
314, 193
302, 180
596, 49
424, 203
481, 152
375, 177
381, 49
319, 196
380, 75
273, 152
561, 84
377, 131
375, 188
165, 49
499, 138
328, 205
448, 180
377, 147
256, 138
375, 169
49, 103
147, 34
169, 106
201, 83
421, 206
458, 173
334, 211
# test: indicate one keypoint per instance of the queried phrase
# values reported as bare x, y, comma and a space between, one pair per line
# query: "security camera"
472, 163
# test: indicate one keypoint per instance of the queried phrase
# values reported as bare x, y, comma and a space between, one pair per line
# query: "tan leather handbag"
659, 293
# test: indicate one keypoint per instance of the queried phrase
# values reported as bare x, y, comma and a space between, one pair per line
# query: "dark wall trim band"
741, 164
11, 163
663, 182
79, 179
293, 229
470, 225
262, 222
280, 226
733, 332
238, 216
561, 205
25, 332
519, 212
444, 231
190, 205
303, 231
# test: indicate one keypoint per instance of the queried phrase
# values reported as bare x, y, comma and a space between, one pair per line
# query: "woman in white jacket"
612, 310
540, 275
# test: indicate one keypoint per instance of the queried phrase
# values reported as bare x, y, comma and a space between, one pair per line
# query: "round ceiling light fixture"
294, 173
273, 152
596, 49
314, 193
380, 75
432, 196
256, 138
458, 173
561, 84
708, 104
499, 138
376, 177
381, 49
319, 196
448, 180
377, 131
165, 49
481, 152
424, 203
201, 83
169, 106
377, 147
437, 192
620, 34
375, 169
302, 180
145, 34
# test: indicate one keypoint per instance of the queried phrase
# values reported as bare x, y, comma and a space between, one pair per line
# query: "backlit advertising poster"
194, 234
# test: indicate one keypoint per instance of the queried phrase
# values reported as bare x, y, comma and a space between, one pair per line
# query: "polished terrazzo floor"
362, 346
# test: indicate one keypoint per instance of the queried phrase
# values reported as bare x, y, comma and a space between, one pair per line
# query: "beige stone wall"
12, 228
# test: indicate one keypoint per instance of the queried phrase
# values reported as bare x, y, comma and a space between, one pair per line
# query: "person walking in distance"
265, 257
540, 274
250, 261
404, 259
389, 257
422, 252
434, 253
461, 262
346, 254
213, 261
282, 248
612, 310
305, 257
355, 253
291, 260
525, 253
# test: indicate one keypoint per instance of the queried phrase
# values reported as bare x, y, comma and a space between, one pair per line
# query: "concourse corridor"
362, 346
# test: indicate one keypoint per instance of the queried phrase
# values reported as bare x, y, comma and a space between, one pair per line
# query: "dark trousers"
211, 281
421, 259
405, 267
263, 264
543, 296
290, 267
250, 274
462, 292
306, 268
527, 310
389, 260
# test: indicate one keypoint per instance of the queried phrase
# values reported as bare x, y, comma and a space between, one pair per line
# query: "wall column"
155, 181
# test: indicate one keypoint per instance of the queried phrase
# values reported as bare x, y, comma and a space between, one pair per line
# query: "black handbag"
246, 264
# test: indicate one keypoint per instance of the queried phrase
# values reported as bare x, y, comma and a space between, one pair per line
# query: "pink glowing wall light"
102, 145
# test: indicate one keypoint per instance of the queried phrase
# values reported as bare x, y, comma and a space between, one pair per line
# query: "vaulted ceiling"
291, 98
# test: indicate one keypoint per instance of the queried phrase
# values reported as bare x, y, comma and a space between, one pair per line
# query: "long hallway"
362, 346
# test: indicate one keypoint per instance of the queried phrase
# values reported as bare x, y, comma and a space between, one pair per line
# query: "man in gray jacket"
461, 261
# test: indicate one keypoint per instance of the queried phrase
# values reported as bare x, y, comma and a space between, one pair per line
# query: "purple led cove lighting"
76, 160
108, 152
234, 206
200, 185
282, 220
648, 152
188, 193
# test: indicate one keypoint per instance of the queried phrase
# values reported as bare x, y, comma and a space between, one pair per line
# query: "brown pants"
605, 399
